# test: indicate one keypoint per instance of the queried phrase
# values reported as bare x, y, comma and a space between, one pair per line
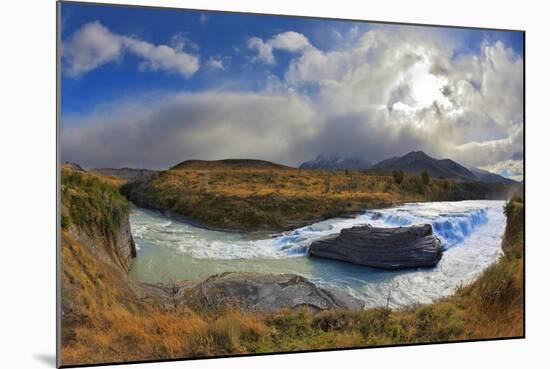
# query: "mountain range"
336, 163
413, 162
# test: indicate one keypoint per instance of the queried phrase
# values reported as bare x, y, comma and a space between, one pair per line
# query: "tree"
398, 176
351, 184
173, 291
425, 177
327, 183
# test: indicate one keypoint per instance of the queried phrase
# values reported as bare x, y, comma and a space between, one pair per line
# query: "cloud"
289, 41
380, 93
161, 131
94, 45
264, 50
408, 90
215, 63
90, 47
509, 168
484, 152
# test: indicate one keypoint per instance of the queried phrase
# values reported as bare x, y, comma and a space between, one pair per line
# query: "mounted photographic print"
245, 184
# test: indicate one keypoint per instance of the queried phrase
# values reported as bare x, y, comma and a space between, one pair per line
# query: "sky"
149, 88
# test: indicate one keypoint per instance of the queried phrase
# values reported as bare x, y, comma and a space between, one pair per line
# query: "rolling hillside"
254, 195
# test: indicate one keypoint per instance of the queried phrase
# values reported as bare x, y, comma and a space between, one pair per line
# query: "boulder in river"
255, 292
384, 248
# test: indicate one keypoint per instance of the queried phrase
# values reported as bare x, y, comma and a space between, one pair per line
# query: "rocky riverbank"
255, 292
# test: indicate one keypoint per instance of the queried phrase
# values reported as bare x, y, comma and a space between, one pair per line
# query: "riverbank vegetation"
263, 196
109, 318
91, 202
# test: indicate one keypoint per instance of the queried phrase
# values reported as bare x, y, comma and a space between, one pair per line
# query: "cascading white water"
470, 231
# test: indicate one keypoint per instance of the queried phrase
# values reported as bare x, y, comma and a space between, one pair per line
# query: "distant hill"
260, 196
485, 176
227, 164
127, 173
418, 161
73, 166
336, 163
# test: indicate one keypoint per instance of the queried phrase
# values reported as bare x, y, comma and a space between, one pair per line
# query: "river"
471, 233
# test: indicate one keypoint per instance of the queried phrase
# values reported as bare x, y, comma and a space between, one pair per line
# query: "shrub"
398, 176
497, 286
91, 204
425, 177
292, 324
513, 243
418, 185
333, 320
65, 221
439, 322
373, 322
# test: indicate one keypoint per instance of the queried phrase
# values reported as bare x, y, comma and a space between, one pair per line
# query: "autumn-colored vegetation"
271, 197
106, 317
91, 202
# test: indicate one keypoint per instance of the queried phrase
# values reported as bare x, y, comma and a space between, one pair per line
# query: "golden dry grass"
279, 198
105, 321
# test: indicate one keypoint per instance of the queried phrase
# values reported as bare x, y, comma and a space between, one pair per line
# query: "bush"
335, 321
398, 176
418, 185
374, 322
91, 204
65, 221
425, 177
439, 322
497, 286
513, 243
292, 324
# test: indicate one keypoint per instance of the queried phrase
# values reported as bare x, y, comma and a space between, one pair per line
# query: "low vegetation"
91, 203
105, 320
273, 197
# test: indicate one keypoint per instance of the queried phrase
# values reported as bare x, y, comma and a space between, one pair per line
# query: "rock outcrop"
96, 215
254, 292
118, 251
385, 248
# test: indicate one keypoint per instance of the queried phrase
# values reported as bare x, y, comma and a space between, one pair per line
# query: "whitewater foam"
470, 232
452, 223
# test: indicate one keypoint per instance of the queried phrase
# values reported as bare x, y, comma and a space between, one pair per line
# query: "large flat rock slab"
255, 292
384, 248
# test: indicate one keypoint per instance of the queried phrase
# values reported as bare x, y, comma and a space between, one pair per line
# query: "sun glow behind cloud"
425, 87
377, 92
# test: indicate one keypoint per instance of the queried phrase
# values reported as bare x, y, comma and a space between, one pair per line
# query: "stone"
384, 248
261, 292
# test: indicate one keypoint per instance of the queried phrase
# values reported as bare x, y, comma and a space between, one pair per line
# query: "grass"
494, 301
91, 203
274, 198
105, 321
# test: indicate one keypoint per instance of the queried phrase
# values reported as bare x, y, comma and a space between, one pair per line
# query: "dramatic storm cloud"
171, 128
509, 168
380, 91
